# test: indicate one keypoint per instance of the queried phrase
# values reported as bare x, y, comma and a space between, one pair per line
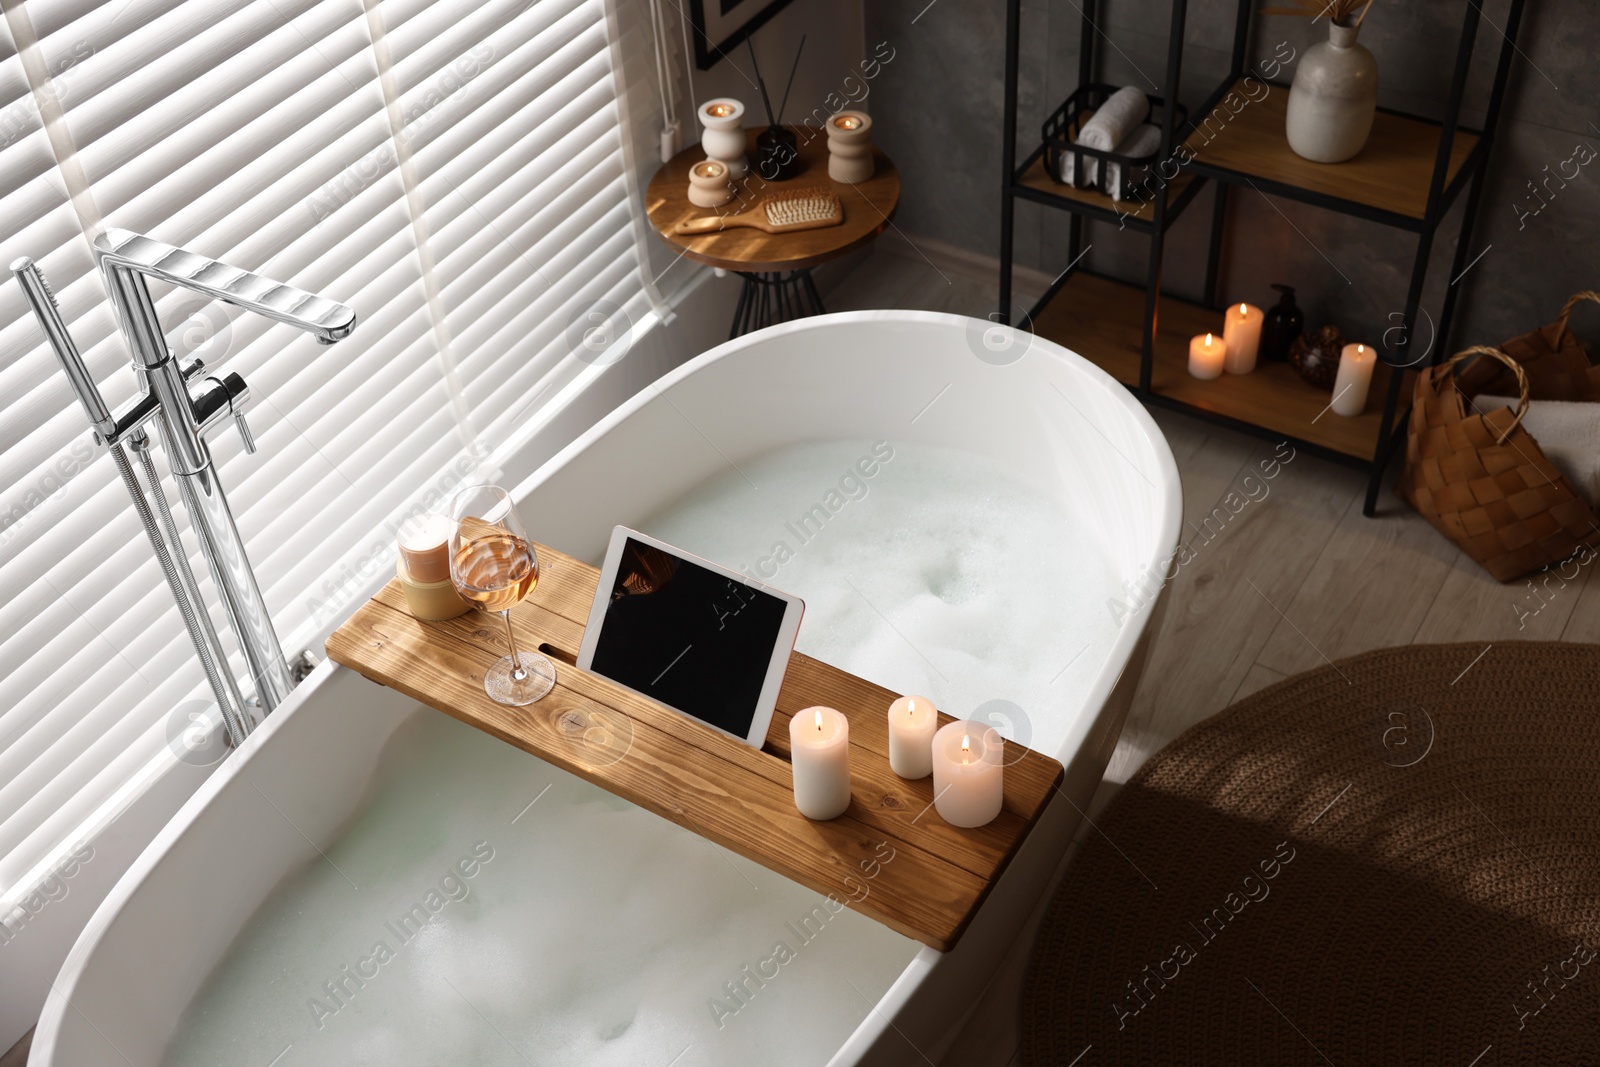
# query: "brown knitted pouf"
1391, 860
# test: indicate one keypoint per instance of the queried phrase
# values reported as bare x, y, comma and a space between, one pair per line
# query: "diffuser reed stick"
760, 83
784, 104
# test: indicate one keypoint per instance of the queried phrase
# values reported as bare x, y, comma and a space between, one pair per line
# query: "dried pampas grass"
1338, 10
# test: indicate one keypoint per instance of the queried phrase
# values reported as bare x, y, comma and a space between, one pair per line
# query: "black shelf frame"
1443, 192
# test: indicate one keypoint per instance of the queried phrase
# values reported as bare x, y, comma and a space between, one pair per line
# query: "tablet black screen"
695, 640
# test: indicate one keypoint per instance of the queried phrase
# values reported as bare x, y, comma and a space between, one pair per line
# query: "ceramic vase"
1333, 98
723, 139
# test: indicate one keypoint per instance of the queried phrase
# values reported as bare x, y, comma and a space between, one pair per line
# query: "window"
454, 172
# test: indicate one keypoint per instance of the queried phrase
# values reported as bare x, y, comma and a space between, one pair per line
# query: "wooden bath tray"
889, 856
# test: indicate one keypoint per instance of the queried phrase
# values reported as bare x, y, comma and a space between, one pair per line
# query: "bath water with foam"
486, 908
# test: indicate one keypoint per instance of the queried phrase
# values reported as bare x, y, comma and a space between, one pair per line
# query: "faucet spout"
123, 252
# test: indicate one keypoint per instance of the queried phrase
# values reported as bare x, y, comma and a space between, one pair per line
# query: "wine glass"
494, 566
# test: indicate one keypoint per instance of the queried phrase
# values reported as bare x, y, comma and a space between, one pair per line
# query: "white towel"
1141, 142
1569, 433
1115, 119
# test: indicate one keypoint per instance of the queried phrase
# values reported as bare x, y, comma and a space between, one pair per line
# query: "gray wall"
937, 112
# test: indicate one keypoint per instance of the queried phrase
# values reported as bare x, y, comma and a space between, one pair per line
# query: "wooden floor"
1295, 579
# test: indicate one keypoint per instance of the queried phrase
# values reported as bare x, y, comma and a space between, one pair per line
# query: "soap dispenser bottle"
1281, 326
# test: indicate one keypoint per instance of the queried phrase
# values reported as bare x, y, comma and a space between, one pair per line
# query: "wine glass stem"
517, 670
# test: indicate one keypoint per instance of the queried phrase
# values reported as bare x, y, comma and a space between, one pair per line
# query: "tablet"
702, 639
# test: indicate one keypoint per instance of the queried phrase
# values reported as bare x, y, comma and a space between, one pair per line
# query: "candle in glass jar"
819, 754
912, 721
1356, 363
1206, 356
1241, 332
968, 773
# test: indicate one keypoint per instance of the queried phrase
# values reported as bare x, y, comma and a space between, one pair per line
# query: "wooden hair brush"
785, 212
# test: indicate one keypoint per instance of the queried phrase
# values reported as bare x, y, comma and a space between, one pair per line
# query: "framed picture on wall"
722, 25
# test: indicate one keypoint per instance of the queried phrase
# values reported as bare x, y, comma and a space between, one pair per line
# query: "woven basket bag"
1483, 481
1556, 362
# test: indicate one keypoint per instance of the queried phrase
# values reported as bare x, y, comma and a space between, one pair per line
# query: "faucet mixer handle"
225, 394
245, 435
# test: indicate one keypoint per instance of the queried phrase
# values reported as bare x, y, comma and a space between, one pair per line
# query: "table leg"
770, 297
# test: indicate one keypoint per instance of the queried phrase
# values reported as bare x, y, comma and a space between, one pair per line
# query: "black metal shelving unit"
1141, 335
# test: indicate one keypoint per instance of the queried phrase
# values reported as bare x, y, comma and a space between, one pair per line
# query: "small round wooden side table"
775, 267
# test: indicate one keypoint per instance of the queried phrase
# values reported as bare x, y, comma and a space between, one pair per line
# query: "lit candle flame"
847, 122
1208, 340
719, 110
1243, 311
819, 720
1361, 350
966, 748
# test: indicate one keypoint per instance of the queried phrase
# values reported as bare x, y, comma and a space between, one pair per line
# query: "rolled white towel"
1115, 119
1569, 433
1141, 142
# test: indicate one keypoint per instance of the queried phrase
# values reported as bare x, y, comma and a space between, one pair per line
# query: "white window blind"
454, 172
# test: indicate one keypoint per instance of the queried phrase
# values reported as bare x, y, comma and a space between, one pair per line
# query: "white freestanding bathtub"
281, 803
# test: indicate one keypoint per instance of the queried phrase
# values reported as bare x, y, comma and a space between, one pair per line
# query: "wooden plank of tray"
735, 795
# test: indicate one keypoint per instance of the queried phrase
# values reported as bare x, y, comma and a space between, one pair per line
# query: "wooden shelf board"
1036, 177
735, 795
1391, 174
1102, 320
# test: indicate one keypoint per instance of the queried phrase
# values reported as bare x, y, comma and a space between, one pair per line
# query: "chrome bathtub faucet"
184, 414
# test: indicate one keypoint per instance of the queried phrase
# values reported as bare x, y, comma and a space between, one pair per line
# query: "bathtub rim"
878, 1018
110, 910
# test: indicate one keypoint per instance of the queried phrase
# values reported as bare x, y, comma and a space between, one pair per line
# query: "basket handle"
1571, 305
1448, 370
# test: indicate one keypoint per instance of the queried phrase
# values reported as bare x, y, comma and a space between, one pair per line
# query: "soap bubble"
599, 332
1012, 723
996, 343
195, 734
1402, 734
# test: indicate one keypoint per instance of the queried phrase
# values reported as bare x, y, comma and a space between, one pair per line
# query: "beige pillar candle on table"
968, 773
1206, 356
1241, 332
850, 147
912, 721
1356, 363
424, 542
708, 184
819, 754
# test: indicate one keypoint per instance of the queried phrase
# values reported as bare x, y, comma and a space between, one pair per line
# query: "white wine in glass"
494, 565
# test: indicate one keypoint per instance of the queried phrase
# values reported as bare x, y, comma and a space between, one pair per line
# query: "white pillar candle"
1241, 332
968, 773
723, 138
819, 753
912, 721
1356, 363
1206, 356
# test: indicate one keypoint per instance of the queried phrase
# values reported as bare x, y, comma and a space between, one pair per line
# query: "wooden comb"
785, 212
